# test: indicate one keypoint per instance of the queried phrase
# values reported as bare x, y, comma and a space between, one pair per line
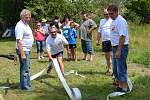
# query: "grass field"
96, 85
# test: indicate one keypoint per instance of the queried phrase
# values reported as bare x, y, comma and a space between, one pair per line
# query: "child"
72, 35
54, 45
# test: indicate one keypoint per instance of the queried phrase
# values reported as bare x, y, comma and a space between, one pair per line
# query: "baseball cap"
44, 20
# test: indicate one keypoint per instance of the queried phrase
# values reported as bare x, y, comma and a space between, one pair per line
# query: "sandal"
109, 73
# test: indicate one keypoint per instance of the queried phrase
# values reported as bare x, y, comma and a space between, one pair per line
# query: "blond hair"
25, 12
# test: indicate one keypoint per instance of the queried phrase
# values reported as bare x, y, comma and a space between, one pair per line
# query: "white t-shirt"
24, 33
55, 45
119, 27
104, 29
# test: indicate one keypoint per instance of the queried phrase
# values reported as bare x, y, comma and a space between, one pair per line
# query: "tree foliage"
72, 8
139, 8
9, 12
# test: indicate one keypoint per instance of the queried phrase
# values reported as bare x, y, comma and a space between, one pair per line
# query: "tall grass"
139, 44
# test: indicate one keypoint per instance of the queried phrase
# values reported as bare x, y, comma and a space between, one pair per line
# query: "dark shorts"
60, 54
71, 46
106, 46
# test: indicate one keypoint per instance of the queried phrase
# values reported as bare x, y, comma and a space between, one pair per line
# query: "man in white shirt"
24, 42
104, 32
54, 45
119, 40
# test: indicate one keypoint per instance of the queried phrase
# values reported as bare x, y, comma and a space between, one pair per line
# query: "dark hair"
112, 8
66, 17
56, 17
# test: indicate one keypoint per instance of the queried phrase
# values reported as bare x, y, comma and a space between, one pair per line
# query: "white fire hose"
74, 93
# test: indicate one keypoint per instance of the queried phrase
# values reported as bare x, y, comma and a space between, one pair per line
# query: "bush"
132, 16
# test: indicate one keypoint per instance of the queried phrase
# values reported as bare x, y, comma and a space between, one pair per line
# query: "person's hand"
117, 54
23, 56
51, 59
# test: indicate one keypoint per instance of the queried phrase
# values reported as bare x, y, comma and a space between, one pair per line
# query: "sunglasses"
54, 32
27, 17
105, 14
111, 13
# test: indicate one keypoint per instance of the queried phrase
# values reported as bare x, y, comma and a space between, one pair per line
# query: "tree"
140, 7
72, 8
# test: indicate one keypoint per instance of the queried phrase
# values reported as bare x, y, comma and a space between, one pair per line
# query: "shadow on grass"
45, 77
9, 56
91, 72
7, 39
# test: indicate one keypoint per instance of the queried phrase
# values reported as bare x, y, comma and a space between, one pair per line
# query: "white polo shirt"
119, 27
55, 45
104, 29
24, 33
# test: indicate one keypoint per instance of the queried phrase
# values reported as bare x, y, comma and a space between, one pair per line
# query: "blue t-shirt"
65, 31
72, 35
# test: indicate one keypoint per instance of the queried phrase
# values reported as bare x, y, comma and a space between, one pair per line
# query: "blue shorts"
119, 64
87, 47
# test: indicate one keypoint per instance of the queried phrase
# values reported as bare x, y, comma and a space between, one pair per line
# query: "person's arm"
64, 41
98, 38
62, 25
42, 31
48, 48
91, 29
76, 25
120, 46
93, 24
20, 47
123, 31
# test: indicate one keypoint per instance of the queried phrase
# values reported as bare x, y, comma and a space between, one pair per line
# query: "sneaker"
42, 57
49, 67
122, 90
39, 58
118, 89
109, 73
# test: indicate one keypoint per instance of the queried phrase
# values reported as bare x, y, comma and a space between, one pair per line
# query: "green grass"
139, 44
96, 85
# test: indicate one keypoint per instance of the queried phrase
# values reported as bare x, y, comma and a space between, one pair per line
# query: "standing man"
104, 32
119, 41
24, 42
86, 28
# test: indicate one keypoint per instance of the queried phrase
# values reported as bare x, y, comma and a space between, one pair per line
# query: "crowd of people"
113, 30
